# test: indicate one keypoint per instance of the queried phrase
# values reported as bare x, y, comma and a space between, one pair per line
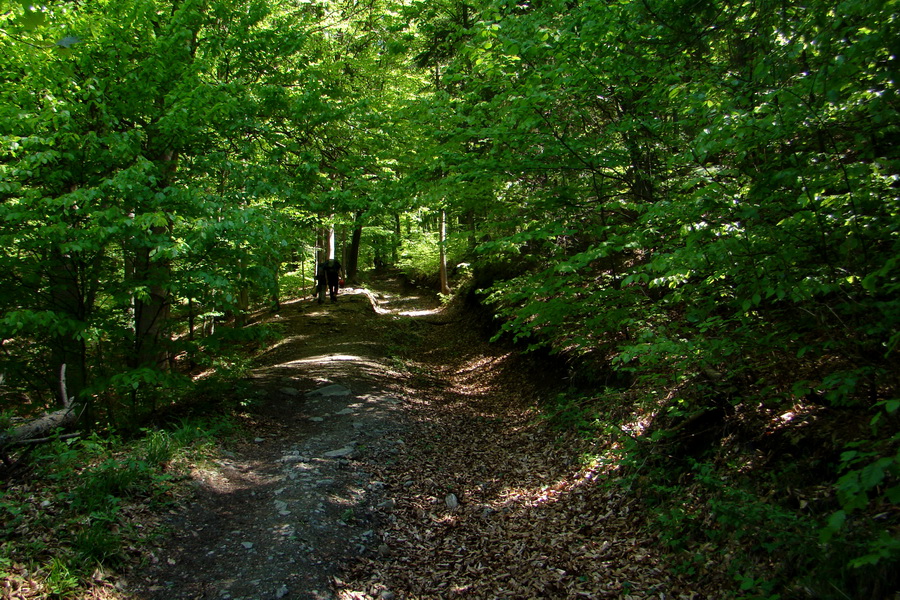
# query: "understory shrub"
79, 517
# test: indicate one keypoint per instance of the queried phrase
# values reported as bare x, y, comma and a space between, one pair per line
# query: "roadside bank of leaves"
489, 502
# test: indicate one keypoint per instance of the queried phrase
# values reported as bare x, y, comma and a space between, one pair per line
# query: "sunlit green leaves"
150, 163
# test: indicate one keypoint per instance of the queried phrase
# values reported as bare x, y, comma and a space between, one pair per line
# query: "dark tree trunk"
353, 252
398, 235
151, 312
153, 274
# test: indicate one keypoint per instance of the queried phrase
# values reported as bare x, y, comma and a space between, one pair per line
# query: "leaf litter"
527, 518
451, 487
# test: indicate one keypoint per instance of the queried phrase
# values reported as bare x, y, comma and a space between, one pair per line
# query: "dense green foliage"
694, 203
697, 205
162, 165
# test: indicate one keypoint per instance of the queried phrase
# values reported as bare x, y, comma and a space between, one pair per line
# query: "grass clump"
87, 504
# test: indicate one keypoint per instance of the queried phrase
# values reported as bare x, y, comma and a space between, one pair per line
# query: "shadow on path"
275, 517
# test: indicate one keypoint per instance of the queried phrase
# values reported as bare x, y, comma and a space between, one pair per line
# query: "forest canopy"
695, 204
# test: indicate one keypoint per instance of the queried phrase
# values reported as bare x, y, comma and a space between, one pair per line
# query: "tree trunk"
243, 298
353, 252
151, 312
470, 226
331, 243
445, 284
395, 245
325, 245
41, 427
153, 274
275, 296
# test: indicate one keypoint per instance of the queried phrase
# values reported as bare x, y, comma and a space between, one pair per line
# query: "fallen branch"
48, 438
40, 428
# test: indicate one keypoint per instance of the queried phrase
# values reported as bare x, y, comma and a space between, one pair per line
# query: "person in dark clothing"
321, 282
328, 277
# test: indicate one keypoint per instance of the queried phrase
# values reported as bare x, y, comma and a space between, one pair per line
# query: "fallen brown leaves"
531, 520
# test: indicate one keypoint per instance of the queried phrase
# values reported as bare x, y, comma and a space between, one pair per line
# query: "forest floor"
389, 451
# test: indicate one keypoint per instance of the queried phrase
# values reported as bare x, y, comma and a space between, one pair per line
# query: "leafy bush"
420, 256
295, 285
869, 484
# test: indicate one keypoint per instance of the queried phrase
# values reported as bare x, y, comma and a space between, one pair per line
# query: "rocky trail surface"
392, 453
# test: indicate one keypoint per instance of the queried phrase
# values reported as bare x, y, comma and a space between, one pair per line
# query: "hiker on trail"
328, 276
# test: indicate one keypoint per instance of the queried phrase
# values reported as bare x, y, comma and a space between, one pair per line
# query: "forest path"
393, 453
275, 516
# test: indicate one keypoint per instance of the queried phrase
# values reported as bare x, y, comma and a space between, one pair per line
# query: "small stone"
386, 595
247, 545
259, 440
316, 419
289, 391
339, 453
332, 391
451, 501
346, 411
388, 504
281, 592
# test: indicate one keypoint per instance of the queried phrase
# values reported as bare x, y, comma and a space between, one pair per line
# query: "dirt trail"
281, 512
394, 454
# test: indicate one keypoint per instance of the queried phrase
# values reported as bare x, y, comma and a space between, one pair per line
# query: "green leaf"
893, 494
32, 19
873, 474
835, 523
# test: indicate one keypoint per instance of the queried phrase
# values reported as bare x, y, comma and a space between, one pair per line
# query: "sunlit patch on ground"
294, 339
325, 358
419, 313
